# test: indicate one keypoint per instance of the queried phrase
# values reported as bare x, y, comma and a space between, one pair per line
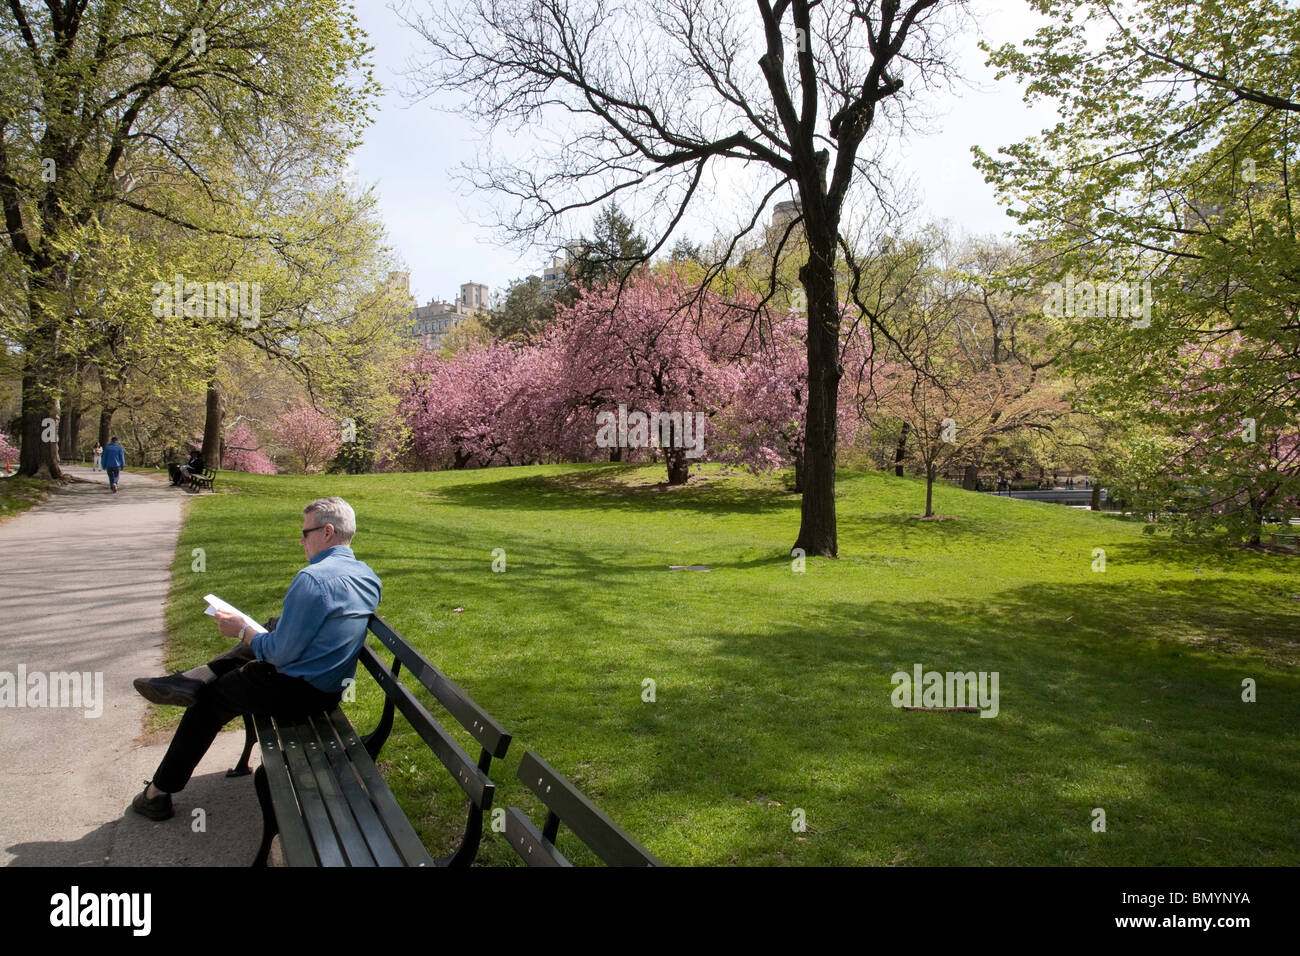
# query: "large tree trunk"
798, 473
70, 433
900, 451
39, 456
105, 424
817, 530
1256, 522
1095, 502
929, 489
679, 468
67, 450
142, 453
970, 477
212, 426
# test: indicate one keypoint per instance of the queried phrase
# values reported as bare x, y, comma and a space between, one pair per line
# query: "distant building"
785, 213
556, 274
553, 275
474, 295
430, 323
400, 282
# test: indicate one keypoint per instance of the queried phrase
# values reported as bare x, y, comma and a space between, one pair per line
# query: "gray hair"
337, 512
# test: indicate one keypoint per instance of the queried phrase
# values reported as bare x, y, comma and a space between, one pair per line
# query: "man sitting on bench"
181, 474
296, 669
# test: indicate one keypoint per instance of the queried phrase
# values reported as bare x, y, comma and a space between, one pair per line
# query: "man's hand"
229, 624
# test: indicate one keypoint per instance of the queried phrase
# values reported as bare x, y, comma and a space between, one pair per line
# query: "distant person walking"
99, 451
114, 460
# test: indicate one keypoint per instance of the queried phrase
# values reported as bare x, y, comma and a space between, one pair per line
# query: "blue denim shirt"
114, 456
323, 624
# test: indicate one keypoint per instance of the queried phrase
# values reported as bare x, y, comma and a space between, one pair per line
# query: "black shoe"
159, 808
176, 690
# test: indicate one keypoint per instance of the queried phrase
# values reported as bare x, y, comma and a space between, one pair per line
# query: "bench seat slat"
535, 849
310, 799
390, 813
372, 829
345, 824
480, 724
294, 838
472, 780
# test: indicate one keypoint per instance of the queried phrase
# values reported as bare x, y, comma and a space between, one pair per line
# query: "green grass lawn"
1118, 690
17, 494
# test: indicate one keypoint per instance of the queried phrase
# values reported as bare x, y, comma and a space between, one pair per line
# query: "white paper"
215, 604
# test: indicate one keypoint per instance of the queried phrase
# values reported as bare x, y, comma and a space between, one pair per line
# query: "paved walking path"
83, 587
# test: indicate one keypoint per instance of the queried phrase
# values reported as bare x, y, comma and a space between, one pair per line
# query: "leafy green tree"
613, 251
525, 309
356, 454
1173, 167
91, 89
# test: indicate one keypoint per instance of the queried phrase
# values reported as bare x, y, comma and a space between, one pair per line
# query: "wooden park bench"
1285, 540
204, 479
319, 787
564, 802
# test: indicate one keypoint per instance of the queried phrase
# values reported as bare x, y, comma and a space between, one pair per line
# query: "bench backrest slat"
535, 849
588, 822
481, 726
472, 780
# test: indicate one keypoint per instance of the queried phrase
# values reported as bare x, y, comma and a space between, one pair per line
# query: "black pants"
243, 686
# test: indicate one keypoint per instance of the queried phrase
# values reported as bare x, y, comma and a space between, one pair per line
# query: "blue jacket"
323, 624
114, 456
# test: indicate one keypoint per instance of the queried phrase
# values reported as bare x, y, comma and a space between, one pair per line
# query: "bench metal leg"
269, 826
468, 849
375, 740
250, 737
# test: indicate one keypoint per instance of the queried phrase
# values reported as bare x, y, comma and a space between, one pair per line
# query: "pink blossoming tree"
309, 436
242, 451
8, 453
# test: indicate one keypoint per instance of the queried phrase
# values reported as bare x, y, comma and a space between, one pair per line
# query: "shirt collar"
336, 549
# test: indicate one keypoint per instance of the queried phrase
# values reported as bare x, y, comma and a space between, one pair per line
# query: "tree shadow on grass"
1195, 553
908, 528
1100, 706
579, 491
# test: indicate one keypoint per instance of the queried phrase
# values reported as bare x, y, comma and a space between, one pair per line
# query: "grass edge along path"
17, 494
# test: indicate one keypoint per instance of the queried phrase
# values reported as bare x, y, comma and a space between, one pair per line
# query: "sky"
410, 153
